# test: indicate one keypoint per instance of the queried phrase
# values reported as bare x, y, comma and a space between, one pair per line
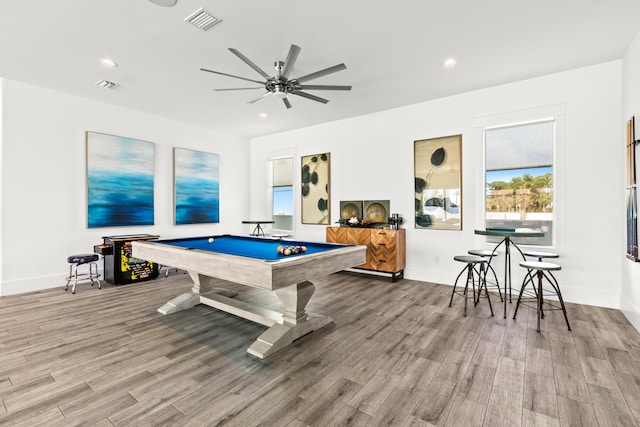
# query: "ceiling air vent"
106, 84
202, 19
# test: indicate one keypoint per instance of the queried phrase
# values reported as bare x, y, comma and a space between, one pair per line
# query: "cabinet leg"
397, 275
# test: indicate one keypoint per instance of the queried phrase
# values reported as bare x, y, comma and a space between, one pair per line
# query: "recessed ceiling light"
164, 3
448, 63
106, 62
263, 115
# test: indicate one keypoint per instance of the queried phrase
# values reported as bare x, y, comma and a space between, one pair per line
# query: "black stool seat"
542, 270
470, 268
83, 259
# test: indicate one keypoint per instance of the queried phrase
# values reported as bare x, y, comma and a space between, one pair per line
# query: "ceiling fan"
281, 85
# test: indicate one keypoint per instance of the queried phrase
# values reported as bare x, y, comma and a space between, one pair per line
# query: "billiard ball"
210, 239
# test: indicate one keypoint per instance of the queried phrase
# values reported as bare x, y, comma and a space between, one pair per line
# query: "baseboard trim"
570, 294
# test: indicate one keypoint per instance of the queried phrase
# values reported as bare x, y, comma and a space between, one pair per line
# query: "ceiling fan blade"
292, 56
231, 75
322, 87
286, 102
321, 73
240, 88
309, 96
258, 98
249, 63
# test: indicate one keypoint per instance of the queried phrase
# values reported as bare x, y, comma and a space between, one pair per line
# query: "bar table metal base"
507, 235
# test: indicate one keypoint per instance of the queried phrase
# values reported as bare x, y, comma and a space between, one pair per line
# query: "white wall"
372, 158
44, 208
1, 175
630, 301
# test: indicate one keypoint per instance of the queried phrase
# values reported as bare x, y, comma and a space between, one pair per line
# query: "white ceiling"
393, 51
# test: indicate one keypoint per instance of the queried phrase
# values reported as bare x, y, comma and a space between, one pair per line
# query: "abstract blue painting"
119, 181
197, 186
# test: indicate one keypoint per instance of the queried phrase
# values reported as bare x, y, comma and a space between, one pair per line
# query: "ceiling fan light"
280, 92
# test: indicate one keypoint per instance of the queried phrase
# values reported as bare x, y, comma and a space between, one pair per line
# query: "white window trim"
555, 112
269, 189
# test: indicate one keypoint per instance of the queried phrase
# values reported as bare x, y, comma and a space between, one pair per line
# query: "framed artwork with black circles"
316, 185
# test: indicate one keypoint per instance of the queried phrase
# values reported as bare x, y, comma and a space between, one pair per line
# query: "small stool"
75, 261
541, 255
541, 270
470, 268
486, 253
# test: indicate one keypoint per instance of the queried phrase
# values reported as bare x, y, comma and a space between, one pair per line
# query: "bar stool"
542, 255
486, 253
541, 269
75, 263
470, 268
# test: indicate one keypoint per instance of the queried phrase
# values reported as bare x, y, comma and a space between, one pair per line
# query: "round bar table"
507, 235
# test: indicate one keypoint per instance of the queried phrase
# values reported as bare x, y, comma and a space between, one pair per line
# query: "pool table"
255, 262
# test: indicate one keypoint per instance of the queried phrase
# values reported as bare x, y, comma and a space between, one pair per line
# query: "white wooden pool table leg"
179, 303
296, 322
191, 299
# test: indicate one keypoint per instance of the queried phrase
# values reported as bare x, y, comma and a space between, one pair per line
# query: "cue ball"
210, 239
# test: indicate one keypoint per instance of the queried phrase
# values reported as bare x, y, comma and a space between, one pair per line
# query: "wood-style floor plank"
396, 354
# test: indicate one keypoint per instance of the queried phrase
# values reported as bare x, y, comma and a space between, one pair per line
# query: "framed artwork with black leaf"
438, 183
316, 183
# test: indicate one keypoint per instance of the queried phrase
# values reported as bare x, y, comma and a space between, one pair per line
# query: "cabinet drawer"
383, 257
382, 237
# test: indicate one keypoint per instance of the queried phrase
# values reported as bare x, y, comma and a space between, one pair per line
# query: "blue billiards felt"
252, 247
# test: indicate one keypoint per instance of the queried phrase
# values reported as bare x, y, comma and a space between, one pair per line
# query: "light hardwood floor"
396, 355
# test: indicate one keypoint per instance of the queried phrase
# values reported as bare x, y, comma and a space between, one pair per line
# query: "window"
282, 193
519, 178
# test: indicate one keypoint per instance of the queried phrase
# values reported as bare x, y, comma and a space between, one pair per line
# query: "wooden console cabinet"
386, 249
